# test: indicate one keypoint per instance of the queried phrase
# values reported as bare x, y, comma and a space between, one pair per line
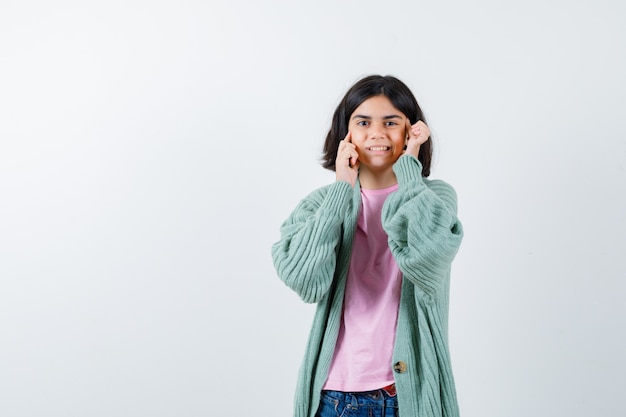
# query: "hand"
347, 162
417, 134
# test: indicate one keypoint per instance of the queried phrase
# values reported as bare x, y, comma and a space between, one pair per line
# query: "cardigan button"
399, 367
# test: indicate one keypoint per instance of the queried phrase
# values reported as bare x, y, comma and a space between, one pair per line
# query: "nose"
377, 129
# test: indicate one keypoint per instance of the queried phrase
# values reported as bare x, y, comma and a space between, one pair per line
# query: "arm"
420, 220
305, 256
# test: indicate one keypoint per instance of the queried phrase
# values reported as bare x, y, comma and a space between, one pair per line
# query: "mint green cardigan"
312, 258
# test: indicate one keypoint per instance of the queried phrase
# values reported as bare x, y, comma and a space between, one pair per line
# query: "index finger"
408, 128
348, 137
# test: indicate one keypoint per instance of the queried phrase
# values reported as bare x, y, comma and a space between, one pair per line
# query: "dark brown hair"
374, 85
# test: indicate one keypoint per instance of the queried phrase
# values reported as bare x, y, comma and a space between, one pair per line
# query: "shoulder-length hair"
374, 85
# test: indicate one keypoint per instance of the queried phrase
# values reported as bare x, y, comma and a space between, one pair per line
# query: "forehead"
377, 106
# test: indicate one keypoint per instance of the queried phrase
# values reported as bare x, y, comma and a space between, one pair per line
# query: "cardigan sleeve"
423, 229
306, 254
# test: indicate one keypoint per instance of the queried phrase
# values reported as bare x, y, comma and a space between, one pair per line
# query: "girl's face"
378, 131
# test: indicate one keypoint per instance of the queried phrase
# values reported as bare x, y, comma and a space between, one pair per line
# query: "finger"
344, 147
347, 152
420, 129
420, 125
348, 137
424, 130
416, 127
409, 129
354, 158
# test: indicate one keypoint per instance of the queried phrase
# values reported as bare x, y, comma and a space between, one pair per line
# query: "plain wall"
149, 152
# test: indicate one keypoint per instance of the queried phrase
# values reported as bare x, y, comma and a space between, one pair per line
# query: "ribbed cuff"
338, 197
408, 169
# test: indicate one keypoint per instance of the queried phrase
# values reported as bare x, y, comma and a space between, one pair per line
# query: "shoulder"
331, 197
317, 196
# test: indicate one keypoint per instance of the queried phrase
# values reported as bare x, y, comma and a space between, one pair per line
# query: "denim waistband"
380, 396
390, 390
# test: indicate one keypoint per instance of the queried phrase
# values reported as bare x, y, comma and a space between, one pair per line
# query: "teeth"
379, 148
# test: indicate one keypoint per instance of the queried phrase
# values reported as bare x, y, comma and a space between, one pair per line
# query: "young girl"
373, 250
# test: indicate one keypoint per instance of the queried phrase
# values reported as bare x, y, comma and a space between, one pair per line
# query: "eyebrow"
362, 116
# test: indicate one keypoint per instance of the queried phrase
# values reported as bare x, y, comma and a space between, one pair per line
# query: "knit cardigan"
312, 258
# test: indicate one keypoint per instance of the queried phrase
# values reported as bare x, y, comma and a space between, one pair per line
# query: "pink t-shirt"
363, 354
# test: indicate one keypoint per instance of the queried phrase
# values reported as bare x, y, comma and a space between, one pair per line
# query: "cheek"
399, 142
358, 140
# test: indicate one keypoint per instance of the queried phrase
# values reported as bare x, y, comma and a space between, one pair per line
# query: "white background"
150, 151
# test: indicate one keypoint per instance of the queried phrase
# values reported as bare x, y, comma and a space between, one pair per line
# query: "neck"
370, 180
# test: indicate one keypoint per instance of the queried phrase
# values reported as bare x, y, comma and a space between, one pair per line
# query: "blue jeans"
377, 403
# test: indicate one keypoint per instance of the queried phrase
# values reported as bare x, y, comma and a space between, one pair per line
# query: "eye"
362, 123
390, 123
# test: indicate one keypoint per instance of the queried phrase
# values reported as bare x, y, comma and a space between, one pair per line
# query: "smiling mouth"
379, 148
